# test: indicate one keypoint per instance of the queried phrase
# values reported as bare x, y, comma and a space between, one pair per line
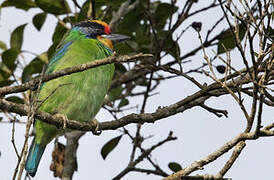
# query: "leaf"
1, 118
226, 39
20, 4
15, 99
16, 38
4, 73
141, 82
58, 33
56, 7
57, 36
123, 102
173, 166
162, 13
122, 48
221, 69
120, 68
116, 4
83, 12
51, 50
131, 21
34, 67
70, 19
109, 146
8, 58
6, 83
270, 32
38, 20
171, 46
115, 93
3, 45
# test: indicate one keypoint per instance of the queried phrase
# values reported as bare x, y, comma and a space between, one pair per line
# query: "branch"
70, 163
32, 84
218, 112
222, 150
195, 99
237, 150
144, 154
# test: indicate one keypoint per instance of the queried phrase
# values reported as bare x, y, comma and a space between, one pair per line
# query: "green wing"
79, 96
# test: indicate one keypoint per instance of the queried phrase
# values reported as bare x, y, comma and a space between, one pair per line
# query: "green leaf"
56, 7
51, 50
38, 20
143, 38
141, 82
162, 13
8, 58
173, 166
109, 146
83, 12
115, 93
59, 32
15, 99
1, 118
34, 67
16, 38
226, 39
4, 73
123, 102
57, 36
6, 83
3, 45
70, 19
20, 4
270, 32
171, 46
116, 4
122, 48
120, 68
131, 21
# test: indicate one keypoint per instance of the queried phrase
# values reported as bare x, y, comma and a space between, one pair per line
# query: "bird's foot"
98, 129
64, 118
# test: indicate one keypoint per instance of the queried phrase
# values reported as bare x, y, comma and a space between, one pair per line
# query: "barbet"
78, 96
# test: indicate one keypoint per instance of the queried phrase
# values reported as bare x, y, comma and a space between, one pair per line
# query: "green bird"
78, 96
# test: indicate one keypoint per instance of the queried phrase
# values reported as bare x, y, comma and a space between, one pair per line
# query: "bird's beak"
116, 38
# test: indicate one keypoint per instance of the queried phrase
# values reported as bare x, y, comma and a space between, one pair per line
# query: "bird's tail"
35, 153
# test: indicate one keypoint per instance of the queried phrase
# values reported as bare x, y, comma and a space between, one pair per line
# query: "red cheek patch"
107, 30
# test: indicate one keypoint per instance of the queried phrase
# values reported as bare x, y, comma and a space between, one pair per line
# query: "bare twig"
132, 165
213, 156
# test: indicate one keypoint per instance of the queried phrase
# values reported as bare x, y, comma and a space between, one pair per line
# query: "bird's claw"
64, 118
98, 129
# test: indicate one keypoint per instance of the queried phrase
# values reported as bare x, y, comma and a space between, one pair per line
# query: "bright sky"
199, 132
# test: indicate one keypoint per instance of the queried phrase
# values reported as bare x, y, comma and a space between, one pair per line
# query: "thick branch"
70, 164
31, 84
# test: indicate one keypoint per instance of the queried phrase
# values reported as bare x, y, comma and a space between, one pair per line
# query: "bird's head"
100, 30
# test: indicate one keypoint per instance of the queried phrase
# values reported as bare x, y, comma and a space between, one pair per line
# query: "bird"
77, 96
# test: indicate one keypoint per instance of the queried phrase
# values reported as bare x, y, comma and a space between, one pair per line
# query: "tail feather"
34, 156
